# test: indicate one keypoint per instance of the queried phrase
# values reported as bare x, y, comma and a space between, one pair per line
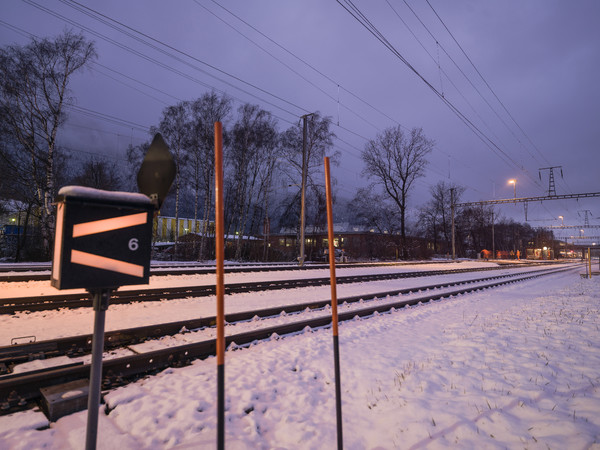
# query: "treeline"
262, 167
476, 227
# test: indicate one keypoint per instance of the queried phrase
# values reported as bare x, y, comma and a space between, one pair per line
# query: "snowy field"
513, 367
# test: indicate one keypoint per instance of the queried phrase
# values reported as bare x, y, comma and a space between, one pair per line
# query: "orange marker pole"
220, 254
334, 312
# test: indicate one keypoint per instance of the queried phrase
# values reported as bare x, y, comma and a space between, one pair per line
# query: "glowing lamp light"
514, 183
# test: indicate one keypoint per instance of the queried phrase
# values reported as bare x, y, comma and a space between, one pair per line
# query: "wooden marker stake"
220, 254
334, 313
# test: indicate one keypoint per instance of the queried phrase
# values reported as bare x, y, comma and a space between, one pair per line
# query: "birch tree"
34, 92
251, 155
319, 143
174, 128
204, 112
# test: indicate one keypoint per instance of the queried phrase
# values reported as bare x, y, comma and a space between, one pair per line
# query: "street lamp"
562, 222
514, 183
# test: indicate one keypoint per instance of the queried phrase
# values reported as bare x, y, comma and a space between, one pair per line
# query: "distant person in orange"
486, 254
519, 255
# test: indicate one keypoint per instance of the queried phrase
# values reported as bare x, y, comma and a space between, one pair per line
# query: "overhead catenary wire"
327, 94
161, 64
485, 81
357, 14
443, 71
138, 53
357, 154
348, 130
331, 80
135, 34
468, 80
307, 64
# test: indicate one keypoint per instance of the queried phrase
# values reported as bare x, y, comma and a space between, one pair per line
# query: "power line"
364, 21
485, 81
468, 79
109, 21
441, 69
159, 63
95, 63
288, 67
306, 63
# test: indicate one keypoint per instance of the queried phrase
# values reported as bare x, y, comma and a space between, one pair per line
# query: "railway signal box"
103, 239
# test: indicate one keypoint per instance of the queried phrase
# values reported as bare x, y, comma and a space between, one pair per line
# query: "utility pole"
453, 225
493, 238
303, 189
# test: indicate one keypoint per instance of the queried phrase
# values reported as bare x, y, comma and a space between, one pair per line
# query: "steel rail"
165, 271
20, 390
49, 302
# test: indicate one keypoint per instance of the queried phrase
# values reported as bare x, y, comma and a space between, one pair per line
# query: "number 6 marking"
133, 244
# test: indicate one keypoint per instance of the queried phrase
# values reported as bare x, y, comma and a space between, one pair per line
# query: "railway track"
42, 274
14, 273
20, 390
49, 302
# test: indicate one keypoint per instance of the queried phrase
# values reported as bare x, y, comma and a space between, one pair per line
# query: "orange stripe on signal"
101, 262
115, 223
58, 243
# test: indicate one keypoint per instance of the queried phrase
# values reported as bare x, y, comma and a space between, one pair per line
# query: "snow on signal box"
103, 239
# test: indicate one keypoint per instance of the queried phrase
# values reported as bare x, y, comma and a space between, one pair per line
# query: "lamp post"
514, 183
562, 221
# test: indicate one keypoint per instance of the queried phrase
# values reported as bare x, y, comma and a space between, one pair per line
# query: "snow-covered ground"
514, 367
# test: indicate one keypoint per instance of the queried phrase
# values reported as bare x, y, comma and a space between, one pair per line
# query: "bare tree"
204, 112
251, 155
98, 174
319, 143
395, 160
34, 83
376, 211
435, 216
174, 126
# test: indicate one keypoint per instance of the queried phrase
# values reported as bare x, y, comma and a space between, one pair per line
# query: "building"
357, 242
